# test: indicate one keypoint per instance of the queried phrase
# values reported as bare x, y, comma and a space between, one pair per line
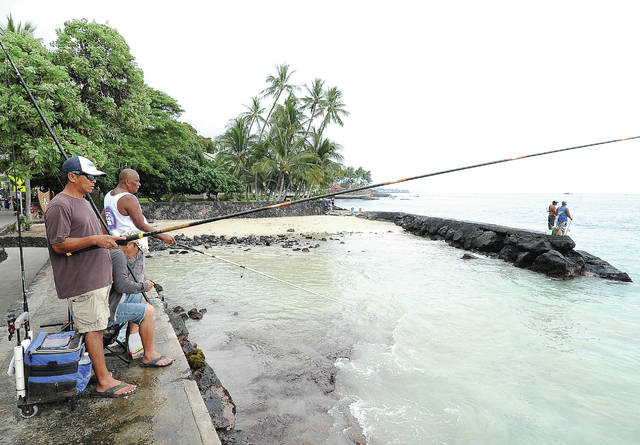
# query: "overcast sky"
430, 85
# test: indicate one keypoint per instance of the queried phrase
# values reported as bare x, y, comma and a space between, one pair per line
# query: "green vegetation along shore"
95, 97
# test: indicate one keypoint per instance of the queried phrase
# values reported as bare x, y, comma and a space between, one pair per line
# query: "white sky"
430, 85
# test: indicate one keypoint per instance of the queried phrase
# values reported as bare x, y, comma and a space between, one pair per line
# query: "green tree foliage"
60, 103
93, 93
289, 154
189, 173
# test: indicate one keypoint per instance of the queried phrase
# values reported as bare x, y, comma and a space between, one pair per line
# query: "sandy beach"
315, 224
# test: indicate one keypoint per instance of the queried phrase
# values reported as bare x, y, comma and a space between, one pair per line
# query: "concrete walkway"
167, 409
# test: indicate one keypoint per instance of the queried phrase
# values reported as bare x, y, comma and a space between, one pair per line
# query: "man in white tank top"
122, 213
122, 210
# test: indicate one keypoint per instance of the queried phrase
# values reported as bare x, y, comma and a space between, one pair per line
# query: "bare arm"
566, 210
75, 244
132, 208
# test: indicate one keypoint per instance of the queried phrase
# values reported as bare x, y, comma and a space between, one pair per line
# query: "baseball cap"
554, 202
81, 164
142, 243
564, 203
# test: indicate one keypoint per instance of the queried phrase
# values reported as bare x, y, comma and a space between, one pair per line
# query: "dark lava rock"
158, 287
508, 253
468, 256
173, 252
195, 314
178, 325
296, 249
233, 437
291, 230
562, 244
594, 266
323, 239
3, 255
178, 309
235, 313
182, 252
525, 259
489, 241
305, 249
184, 316
528, 242
554, 264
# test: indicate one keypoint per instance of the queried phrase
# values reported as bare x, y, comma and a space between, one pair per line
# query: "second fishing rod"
366, 187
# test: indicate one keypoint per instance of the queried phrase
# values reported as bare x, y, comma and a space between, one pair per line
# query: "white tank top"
116, 221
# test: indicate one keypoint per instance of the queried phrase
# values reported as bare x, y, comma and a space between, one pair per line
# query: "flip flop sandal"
111, 392
154, 363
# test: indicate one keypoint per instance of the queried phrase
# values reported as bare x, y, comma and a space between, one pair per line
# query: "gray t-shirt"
123, 282
69, 217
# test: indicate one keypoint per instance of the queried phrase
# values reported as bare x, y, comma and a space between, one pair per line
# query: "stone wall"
551, 255
210, 209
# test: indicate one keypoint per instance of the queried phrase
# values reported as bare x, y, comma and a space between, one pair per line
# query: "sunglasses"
89, 177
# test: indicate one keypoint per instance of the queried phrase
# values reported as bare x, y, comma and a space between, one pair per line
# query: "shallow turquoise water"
443, 350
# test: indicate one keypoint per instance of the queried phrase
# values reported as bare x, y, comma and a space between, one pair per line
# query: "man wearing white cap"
83, 278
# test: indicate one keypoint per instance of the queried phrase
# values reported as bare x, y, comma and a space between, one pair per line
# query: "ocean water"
429, 349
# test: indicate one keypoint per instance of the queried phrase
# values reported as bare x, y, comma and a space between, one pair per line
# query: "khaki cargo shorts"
90, 311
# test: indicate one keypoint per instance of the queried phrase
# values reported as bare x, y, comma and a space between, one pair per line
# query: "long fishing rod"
357, 189
25, 305
62, 152
256, 271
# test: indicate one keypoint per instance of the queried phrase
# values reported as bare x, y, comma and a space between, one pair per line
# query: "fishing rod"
25, 305
62, 152
256, 271
357, 189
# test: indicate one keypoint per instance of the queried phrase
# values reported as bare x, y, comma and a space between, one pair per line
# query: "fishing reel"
11, 325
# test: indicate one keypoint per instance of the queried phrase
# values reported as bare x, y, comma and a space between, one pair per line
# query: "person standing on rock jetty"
563, 215
553, 212
83, 279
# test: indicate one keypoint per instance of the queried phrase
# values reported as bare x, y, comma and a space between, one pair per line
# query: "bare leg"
93, 342
147, 328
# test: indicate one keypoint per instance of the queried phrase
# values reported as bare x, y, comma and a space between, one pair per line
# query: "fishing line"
260, 273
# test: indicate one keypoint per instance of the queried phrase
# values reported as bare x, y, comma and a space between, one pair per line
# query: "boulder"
594, 266
468, 256
529, 242
554, 264
562, 244
508, 253
195, 314
488, 241
525, 259
3, 255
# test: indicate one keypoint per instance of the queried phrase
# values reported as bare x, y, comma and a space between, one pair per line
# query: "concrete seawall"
551, 255
210, 209
167, 409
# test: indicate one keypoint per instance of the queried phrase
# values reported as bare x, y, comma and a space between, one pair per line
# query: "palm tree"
334, 110
279, 83
233, 150
286, 157
254, 112
18, 28
314, 100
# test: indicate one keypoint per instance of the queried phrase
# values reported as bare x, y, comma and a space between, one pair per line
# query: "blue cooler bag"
53, 367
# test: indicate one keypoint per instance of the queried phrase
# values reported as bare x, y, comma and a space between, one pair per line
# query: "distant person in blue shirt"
563, 215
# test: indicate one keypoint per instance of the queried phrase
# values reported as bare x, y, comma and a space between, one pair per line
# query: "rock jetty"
554, 256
